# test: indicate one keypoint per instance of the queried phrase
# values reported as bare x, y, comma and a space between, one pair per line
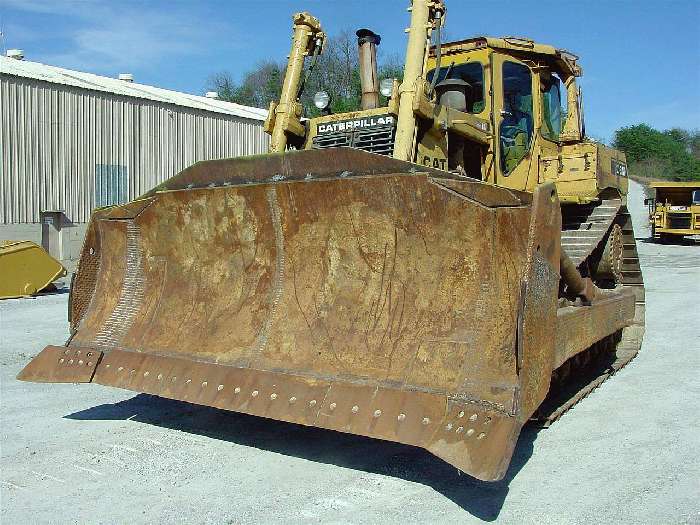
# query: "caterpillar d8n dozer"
435, 271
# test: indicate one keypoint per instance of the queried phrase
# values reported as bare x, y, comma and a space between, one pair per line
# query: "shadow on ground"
54, 290
483, 500
677, 241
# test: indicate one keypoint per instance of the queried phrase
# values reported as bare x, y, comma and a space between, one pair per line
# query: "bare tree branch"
336, 72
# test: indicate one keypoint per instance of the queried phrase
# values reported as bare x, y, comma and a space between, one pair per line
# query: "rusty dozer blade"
335, 288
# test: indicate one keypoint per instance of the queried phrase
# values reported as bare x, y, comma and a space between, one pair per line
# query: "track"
585, 227
584, 232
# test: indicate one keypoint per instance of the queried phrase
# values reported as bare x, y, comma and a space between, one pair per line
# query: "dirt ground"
90, 454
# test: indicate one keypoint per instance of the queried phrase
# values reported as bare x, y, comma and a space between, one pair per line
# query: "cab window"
551, 108
517, 126
473, 74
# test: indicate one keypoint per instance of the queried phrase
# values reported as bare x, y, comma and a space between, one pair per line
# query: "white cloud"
110, 36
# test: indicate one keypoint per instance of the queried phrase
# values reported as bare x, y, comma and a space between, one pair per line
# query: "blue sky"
641, 58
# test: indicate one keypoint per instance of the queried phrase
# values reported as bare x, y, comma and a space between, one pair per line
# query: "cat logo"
434, 162
360, 123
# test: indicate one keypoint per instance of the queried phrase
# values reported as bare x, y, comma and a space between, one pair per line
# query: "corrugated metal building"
71, 141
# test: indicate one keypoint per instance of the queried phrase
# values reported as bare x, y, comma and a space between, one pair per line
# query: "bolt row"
73, 360
470, 432
332, 406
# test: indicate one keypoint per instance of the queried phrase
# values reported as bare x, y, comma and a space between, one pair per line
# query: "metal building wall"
54, 137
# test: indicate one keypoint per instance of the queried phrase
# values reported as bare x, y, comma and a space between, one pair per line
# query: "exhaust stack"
367, 42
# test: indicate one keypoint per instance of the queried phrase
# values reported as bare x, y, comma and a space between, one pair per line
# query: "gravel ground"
90, 454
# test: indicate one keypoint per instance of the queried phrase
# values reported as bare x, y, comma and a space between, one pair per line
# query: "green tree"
690, 140
670, 154
258, 87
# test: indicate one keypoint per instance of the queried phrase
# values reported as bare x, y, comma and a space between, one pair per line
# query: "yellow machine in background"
674, 211
26, 269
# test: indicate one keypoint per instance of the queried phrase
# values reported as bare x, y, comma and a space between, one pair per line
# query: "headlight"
321, 99
386, 86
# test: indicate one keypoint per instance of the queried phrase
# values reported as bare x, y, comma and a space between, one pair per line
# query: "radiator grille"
678, 221
375, 140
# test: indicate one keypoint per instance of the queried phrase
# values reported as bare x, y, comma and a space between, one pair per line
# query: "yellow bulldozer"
435, 271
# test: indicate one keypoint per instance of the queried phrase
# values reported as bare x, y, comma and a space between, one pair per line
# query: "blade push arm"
284, 117
424, 16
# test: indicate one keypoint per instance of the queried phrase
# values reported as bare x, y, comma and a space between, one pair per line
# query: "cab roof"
561, 59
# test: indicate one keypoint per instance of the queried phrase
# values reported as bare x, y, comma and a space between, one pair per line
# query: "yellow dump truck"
26, 269
674, 210
435, 270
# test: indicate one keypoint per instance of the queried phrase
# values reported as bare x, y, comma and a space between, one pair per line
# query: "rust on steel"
367, 42
384, 301
578, 285
60, 364
579, 327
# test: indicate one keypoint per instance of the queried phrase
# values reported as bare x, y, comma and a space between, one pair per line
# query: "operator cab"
522, 88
